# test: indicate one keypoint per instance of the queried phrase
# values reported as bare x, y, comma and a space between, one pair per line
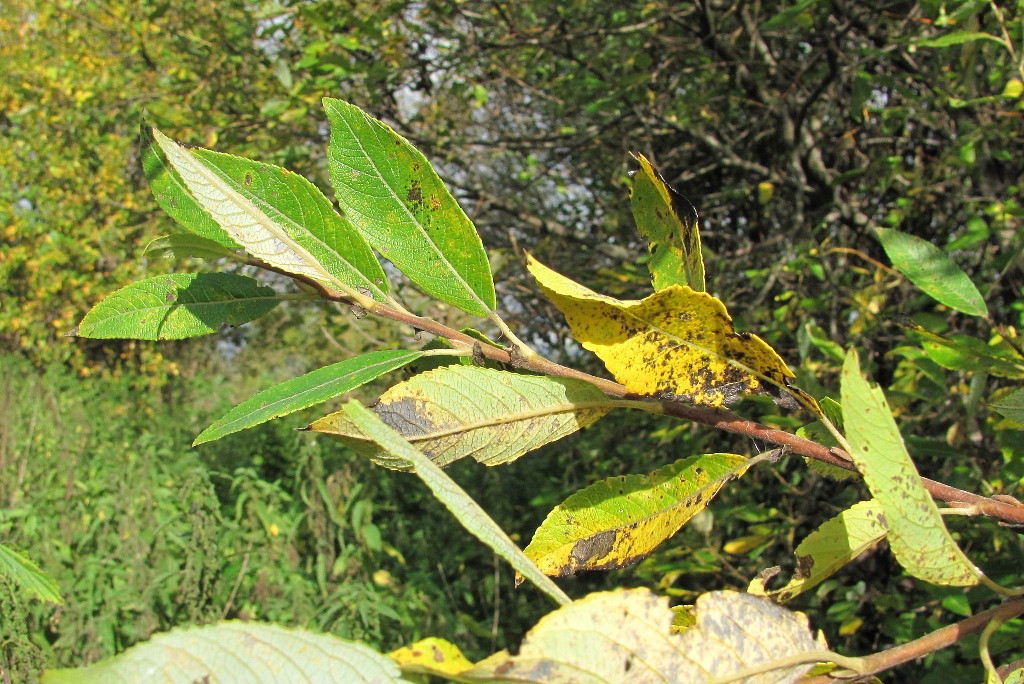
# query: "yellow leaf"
850, 627
744, 544
682, 619
431, 655
675, 344
618, 521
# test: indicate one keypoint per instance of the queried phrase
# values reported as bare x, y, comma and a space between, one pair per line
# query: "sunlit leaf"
388, 190
617, 521
917, 535
933, 271
431, 656
671, 226
625, 636
832, 545
675, 343
178, 305
465, 509
493, 416
963, 352
307, 390
238, 652
278, 216
27, 576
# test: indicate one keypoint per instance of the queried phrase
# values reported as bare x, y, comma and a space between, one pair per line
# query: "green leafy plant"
673, 353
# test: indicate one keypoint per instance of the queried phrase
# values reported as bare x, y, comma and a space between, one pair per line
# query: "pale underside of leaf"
457, 411
174, 198
735, 632
617, 521
389, 191
917, 534
261, 230
241, 652
832, 545
671, 226
676, 343
625, 636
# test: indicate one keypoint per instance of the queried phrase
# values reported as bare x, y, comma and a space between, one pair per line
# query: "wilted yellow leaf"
676, 343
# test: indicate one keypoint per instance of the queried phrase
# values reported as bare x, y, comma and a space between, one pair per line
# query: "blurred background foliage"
795, 128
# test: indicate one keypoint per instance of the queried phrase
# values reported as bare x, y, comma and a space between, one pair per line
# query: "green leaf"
278, 216
957, 38
1011, 406
174, 198
178, 305
388, 190
456, 411
835, 542
27, 575
180, 245
917, 535
671, 226
307, 390
237, 652
933, 271
467, 511
617, 521
963, 352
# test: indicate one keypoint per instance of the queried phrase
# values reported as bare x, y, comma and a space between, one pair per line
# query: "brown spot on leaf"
415, 195
586, 550
803, 566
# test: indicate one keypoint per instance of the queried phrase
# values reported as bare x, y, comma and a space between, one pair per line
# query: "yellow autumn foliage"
676, 343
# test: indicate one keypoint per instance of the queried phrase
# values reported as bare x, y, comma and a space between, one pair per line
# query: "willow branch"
722, 419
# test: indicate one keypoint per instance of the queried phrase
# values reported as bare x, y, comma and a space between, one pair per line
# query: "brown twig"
719, 418
929, 643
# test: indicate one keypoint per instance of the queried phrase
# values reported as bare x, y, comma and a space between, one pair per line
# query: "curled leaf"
670, 224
